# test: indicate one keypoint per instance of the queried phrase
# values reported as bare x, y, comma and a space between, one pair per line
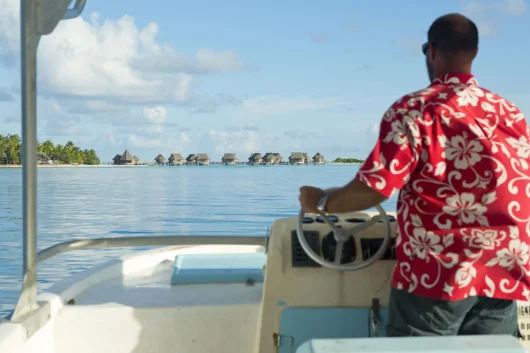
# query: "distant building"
160, 160
255, 159
42, 158
279, 158
116, 159
203, 159
191, 159
271, 158
128, 159
298, 158
125, 159
229, 158
176, 159
318, 159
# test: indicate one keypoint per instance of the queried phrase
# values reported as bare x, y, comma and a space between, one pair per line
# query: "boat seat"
298, 325
218, 268
437, 344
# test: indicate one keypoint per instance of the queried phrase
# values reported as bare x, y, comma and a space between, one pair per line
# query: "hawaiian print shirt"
460, 156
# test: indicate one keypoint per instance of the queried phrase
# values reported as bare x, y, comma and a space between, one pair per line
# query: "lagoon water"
88, 202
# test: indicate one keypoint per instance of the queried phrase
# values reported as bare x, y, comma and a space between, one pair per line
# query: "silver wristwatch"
321, 204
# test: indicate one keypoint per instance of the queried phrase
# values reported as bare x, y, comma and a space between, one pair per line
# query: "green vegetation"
11, 151
348, 160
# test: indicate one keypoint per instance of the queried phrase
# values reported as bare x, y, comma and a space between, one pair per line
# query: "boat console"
343, 295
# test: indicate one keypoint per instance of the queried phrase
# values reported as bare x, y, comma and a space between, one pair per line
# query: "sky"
236, 76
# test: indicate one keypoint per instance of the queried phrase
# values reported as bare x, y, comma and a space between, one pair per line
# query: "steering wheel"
341, 236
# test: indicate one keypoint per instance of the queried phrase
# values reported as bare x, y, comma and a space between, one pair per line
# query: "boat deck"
151, 286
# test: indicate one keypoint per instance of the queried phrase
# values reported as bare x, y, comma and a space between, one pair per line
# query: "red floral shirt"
460, 156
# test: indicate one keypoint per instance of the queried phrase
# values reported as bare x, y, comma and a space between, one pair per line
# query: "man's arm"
353, 197
387, 168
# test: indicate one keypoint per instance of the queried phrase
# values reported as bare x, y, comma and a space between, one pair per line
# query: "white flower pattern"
464, 153
465, 182
466, 209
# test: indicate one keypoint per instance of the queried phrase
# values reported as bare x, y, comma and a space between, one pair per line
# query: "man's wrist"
322, 203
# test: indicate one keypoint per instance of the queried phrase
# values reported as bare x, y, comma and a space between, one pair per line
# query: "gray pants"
414, 315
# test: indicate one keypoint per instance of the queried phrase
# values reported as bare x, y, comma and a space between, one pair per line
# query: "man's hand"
353, 197
309, 197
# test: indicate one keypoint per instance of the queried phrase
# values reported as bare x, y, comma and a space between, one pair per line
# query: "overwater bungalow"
116, 159
191, 159
128, 159
125, 159
229, 159
279, 158
203, 159
298, 158
318, 159
176, 159
160, 160
255, 159
270, 159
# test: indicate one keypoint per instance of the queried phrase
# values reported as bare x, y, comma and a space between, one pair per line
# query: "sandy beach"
72, 166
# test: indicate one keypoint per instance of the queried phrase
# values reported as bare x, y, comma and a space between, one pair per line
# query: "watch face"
321, 205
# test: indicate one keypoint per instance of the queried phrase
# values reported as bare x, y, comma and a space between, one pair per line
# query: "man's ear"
432, 53
475, 54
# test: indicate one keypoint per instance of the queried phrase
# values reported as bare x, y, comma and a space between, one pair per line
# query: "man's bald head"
454, 34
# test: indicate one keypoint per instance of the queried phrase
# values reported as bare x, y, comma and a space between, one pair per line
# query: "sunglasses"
425, 47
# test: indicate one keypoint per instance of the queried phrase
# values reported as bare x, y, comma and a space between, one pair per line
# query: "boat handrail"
100, 243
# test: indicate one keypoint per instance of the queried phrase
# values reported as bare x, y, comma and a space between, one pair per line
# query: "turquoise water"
116, 201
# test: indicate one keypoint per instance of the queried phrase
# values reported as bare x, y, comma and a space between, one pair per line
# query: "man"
460, 156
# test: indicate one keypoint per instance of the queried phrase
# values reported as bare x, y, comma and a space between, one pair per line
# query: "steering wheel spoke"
338, 251
363, 226
341, 236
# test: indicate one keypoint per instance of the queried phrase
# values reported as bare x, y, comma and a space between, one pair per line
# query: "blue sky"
187, 77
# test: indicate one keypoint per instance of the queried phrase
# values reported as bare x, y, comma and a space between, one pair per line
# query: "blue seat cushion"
218, 268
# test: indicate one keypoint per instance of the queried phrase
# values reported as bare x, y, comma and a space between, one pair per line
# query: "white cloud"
184, 138
373, 129
269, 106
166, 59
64, 127
114, 62
143, 141
510, 7
488, 13
156, 115
244, 141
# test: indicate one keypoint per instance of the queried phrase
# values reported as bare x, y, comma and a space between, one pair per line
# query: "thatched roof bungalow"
191, 159
116, 159
279, 158
128, 158
255, 159
176, 159
298, 158
160, 160
229, 158
203, 159
318, 159
269, 159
